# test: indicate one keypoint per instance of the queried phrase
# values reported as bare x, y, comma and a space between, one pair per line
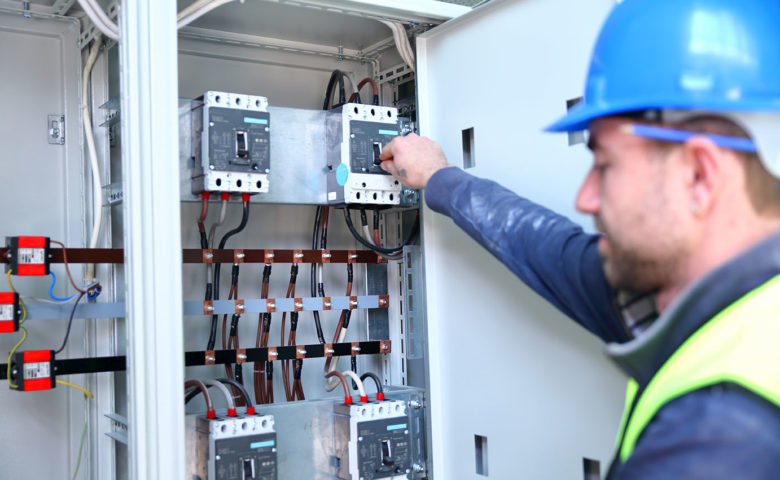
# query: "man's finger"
387, 151
388, 167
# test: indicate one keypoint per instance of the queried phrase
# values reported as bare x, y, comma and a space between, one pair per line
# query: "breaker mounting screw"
415, 404
418, 468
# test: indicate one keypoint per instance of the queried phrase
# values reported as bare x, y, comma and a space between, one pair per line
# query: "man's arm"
547, 251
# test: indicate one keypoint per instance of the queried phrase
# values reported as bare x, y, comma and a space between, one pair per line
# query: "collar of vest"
641, 357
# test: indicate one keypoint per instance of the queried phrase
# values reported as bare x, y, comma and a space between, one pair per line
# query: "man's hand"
413, 160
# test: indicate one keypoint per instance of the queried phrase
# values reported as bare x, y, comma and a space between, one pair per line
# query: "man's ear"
703, 161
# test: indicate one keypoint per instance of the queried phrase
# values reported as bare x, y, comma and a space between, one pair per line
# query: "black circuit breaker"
357, 134
33, 370
231, 448
231, 147
27, 256
10, 312
373, 441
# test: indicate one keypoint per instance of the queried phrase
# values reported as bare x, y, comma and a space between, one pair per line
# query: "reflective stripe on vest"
738, 345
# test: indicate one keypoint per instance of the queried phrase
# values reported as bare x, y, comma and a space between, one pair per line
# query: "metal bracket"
118, 426
55, 127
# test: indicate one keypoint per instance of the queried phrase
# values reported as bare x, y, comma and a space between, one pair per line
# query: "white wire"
367, 234
192, 8
223, 389
400, 43
353, 81
97, 190
358, 381
334, 382
406, 45
186, 20
99, 18
213, 229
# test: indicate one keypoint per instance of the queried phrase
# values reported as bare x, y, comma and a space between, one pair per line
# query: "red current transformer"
33, 370
10, 312
27, 256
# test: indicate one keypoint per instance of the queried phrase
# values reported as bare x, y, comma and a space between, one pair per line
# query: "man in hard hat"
682, 102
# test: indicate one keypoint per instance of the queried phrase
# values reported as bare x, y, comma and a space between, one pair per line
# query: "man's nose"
588, 198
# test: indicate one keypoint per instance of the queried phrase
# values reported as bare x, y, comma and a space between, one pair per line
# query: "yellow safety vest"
739, 345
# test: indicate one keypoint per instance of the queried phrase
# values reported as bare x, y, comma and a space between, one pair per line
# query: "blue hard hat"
710, 55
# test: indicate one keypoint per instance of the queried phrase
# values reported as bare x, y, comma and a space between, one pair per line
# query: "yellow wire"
8, 373
84, 390
24, 308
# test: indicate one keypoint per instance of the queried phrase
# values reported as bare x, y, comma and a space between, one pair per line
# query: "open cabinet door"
517, 389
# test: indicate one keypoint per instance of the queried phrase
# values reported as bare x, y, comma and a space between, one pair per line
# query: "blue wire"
671, 135
51, 290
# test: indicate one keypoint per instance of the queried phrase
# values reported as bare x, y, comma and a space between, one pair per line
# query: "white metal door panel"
42, 193
504, 364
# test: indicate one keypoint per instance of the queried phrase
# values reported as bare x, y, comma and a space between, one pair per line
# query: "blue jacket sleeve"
550, 253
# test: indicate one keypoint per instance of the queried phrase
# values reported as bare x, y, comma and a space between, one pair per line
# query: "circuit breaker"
231, 148
373, 441
231, 448
356, 136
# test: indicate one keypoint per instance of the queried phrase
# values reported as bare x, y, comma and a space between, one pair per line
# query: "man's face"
637, 199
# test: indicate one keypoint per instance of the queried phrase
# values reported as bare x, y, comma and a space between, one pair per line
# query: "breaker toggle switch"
242, 147
27, 256
10, 312
377, 153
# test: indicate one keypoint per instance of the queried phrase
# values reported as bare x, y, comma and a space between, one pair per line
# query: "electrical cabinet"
482, 377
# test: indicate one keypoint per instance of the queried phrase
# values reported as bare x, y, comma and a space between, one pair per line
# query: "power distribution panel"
232, 448
356, 136
231, 146
373, 441
27, 256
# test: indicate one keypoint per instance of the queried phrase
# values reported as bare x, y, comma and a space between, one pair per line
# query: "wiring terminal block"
356, 136
231, 448
231, 146
33, 370
373, 441
27, 256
